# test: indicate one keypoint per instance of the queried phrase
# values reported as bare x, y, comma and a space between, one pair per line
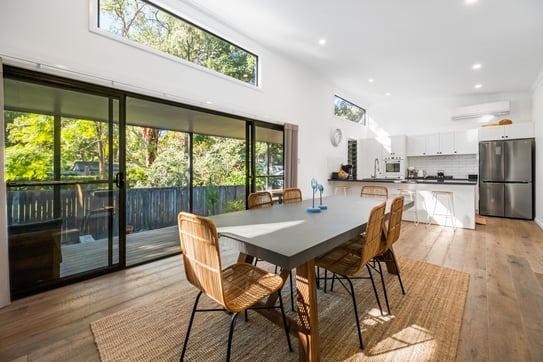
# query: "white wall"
432, 115
537, 116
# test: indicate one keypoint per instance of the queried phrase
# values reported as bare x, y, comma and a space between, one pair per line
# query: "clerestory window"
147, 24
349, 111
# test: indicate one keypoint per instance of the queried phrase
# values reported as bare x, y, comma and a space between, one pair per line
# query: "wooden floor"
503, 319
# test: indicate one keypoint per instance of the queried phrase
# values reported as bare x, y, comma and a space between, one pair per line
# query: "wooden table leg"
308, 322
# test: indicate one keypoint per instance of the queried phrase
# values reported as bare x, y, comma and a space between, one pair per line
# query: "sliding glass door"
96, 177
61, 160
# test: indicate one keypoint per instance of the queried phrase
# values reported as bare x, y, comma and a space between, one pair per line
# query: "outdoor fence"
88, 211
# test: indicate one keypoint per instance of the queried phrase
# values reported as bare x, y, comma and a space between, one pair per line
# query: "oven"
394, 167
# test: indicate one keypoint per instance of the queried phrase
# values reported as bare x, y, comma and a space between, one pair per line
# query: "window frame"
362, 122
94, 17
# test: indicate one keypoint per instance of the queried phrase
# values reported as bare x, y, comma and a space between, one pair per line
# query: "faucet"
376, 167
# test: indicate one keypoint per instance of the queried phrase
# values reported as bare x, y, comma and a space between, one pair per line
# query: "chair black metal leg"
355, 313
285, 322
230, 334
374, 289
292, 294
246, 316
397, 269
190, 326
333, 279
384, 286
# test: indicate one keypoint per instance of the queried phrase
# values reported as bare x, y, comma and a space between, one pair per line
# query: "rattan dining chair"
236, 288
386, 254
291, 195
259, 199
374, 191
347, 260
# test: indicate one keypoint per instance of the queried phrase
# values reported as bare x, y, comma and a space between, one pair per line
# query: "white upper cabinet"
509, 131
416, 145
449, 143
466, 142
396, 147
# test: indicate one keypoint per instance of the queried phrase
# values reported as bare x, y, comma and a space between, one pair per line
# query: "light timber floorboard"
502, 321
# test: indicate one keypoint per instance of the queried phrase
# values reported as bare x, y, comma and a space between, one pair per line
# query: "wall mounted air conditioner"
495, 109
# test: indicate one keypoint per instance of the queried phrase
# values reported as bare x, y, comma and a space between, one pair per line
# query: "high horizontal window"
147, 24
349, 111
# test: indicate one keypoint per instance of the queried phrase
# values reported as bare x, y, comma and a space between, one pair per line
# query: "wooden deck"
140, 247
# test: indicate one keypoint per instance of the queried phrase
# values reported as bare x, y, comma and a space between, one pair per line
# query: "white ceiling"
411, 48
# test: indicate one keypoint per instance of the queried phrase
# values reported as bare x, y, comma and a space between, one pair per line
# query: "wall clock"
335, 137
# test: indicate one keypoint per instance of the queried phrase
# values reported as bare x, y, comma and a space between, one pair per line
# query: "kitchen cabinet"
508, 131
371, 149
447, 143
396, 148
416, 145
466, 142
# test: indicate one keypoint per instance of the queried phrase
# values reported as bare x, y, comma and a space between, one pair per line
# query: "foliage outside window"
149, 25
349, 111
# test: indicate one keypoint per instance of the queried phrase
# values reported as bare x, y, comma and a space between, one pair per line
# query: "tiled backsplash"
458, 166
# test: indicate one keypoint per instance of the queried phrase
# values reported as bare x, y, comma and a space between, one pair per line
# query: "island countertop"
464, 197
453, 181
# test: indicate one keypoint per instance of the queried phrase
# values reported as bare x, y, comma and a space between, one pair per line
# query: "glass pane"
219, 174
269, 159
157, 182
58, 148
349, 111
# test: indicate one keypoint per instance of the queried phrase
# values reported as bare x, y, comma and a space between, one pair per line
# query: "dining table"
291, 236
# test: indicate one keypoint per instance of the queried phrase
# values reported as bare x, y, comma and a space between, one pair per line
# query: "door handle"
119, 179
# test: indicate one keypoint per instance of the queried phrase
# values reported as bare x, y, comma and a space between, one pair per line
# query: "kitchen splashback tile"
458, 166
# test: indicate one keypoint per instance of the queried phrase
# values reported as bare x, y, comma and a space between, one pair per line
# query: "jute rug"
424, 325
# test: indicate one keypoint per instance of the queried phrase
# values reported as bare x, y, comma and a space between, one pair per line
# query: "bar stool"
450, 206
412, 194
345, 188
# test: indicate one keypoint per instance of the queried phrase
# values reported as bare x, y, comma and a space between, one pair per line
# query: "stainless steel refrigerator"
506, 170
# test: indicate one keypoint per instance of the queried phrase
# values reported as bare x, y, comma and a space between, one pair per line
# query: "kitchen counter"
458, 181
464, 192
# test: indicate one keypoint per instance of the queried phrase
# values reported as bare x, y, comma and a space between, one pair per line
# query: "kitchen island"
464, 196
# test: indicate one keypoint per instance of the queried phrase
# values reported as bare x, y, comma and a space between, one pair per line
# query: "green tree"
29, 147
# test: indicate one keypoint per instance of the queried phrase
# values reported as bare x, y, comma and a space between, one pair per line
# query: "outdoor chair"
236, 288
347, 260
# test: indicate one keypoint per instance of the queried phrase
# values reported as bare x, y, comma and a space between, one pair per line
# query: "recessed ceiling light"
387, 93
470, 2
371, 80
322, 41
478, 85
476, 66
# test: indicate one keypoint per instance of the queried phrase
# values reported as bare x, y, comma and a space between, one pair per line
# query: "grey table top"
288, 235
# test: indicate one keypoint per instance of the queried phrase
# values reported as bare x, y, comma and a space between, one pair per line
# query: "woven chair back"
259, 199
374, 191
201, 257
372, 242
394, 223
292, 195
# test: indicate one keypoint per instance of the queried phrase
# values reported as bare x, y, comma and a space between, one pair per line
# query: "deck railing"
146, 208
